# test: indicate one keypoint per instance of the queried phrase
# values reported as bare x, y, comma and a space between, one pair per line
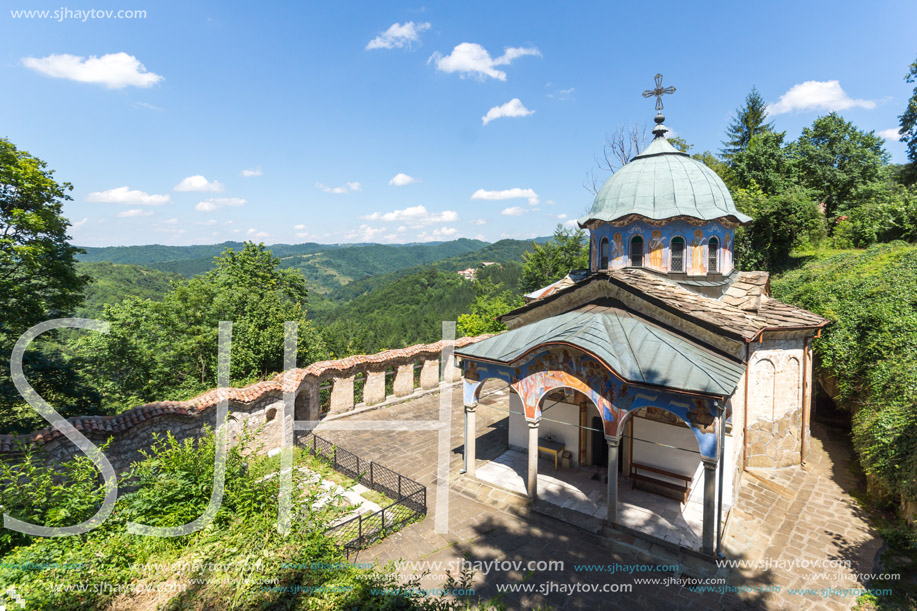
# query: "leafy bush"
780, 223
870, 349
237, 561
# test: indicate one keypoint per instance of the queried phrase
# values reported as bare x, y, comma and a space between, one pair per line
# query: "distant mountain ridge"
328, 268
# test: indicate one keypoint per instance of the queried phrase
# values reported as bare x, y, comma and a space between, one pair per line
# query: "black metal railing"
409, 496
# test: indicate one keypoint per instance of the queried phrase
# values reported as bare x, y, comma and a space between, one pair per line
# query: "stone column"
342, 394
470, 439
451, 373
709, 530
307, 405
532, 481
374, 387
404, 380
429, 374
611, 515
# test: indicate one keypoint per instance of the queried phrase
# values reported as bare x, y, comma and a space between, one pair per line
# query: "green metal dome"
661, 183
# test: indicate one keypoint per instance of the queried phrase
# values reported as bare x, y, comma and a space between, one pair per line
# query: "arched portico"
549, 368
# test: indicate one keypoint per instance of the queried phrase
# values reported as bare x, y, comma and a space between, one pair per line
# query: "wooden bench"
646, 473
550, 445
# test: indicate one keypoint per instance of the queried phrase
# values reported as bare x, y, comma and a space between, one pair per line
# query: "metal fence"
409, 496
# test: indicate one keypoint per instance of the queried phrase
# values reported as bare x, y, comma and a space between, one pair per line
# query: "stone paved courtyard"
782, 516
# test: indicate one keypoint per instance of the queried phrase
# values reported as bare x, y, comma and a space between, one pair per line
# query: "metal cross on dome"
659, 91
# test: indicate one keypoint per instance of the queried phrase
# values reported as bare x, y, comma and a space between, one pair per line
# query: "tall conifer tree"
749, 120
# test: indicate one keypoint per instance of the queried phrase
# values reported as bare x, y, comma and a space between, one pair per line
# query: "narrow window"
678, 255
603, 254
713, 249
636, 251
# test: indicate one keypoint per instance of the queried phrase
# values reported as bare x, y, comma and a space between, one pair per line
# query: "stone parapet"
256, 405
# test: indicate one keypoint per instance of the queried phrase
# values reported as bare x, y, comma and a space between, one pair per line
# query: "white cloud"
890, 134
206, 223
115, 70
514, 211
415, 216
134, 212
572, 223
514, 193
560, 95
561, 216
249, 173
437, 234
478, 222
299, 227
78, 224
816, 95
254, 233
398, 36
471, 59
400, 179
126, 195
146, 106
513, 108
350, 186
215, 203
172, 221
365, 233
401, 229
199, 184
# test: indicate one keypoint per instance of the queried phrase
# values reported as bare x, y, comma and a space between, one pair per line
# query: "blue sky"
490, 114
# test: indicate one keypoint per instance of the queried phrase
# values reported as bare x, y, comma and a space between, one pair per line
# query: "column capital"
472, 407
613, 441
533, 424
709, 465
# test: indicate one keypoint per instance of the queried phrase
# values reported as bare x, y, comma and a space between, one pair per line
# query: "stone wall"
779, 398
257, 407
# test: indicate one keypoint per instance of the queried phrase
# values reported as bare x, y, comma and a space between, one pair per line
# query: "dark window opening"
636, 251
678, 255
713, 248
603, 254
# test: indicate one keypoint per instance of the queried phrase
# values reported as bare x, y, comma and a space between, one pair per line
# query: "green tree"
567, 250
749, 121
491, 300
781, 222
833, 157
38, 275
765, 162
167, 349
908, 119
38, 281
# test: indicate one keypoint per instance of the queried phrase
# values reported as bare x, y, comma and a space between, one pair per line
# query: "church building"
650, 381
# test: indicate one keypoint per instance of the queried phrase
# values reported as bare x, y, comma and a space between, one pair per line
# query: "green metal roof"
637, 350
662, 183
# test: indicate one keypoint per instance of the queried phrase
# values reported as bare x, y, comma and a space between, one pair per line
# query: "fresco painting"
697, 252
657, 236
540, 372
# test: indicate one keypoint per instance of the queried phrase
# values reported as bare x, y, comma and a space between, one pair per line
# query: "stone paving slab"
781, 517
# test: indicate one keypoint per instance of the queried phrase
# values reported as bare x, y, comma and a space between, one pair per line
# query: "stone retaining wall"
256, 405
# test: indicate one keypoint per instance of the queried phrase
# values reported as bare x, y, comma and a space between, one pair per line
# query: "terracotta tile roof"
252, 393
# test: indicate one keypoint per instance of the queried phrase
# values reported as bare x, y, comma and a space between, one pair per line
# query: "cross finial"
659, 91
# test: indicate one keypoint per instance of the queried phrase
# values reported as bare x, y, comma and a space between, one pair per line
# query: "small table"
549, 445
